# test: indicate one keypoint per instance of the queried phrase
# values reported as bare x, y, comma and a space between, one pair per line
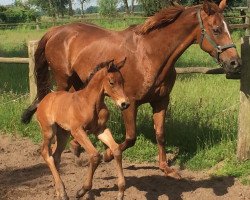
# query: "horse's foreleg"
94, 159
129, 118
47, 156
159, 114
107, 138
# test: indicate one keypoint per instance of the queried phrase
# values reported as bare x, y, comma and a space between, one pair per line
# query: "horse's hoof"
174, 174
75, 149
108, 156
80, 193
80, 162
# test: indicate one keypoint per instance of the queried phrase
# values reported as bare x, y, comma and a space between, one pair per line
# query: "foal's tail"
42, 76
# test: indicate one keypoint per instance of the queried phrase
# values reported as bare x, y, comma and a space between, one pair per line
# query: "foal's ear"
210, 7
121, 64
223, 5
111, 66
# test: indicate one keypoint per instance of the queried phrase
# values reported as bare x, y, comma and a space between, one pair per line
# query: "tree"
108, 7
82, 8
92, 9
51, 7
152, 6
132, 6
125, 2
70, 8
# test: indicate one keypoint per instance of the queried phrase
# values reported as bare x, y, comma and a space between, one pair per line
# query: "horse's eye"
216, 31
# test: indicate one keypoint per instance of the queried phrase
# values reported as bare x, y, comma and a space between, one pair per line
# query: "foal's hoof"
80, 193
120, 196
108, 156
64, 197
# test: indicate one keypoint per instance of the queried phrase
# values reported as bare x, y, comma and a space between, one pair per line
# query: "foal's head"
214, 37
113, 84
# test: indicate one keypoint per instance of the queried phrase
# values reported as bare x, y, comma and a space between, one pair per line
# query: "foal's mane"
161, 19
95, 70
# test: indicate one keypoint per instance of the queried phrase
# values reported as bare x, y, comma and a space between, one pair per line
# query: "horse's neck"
164, 46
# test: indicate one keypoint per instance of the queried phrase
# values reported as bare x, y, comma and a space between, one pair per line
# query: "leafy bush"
16, 14
108, 7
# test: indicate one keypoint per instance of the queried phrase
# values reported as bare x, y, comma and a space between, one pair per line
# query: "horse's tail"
42, 77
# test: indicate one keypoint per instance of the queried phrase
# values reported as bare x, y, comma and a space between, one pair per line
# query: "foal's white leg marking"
226, 29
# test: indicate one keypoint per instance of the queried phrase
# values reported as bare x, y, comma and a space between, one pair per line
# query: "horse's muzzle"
233, 68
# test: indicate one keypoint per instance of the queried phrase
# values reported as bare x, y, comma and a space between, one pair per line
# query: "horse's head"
214, 37
114, 84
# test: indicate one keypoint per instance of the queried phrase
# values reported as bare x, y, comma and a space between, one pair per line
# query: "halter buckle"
219, 49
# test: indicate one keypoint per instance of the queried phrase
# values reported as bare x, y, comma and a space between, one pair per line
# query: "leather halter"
219, 49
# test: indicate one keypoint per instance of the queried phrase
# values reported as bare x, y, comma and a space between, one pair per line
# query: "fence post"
37, 24
243, 145
32, 82
248, 19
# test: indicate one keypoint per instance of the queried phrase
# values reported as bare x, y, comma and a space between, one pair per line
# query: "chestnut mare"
80, 113
151, 49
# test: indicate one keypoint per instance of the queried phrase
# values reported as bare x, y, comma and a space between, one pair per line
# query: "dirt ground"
24, 175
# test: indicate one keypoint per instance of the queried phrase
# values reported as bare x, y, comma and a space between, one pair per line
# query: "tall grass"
201, 120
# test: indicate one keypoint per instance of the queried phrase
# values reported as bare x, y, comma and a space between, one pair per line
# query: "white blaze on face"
226, 29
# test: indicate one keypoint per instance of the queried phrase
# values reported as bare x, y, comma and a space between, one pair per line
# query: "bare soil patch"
24, 176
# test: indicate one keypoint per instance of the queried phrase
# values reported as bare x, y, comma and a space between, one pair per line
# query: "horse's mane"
160, 19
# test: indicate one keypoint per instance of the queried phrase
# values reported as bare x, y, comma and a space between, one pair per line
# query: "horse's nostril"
234, 63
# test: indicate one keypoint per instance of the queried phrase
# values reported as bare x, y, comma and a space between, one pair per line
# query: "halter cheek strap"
219, 49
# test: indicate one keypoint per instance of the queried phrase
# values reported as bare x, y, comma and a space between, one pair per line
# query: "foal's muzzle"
123, 104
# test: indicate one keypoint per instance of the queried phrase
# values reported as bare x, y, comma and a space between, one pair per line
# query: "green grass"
201, 121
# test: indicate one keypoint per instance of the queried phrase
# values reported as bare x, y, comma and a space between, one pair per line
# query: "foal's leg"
61, 141
107, 138
129, 117
94, 159
47, 156
61, 134
159, 114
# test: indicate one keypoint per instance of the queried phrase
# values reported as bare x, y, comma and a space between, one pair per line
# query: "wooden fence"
38, 24
243, 149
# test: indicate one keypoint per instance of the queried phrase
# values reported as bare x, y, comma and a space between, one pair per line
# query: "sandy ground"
24, 175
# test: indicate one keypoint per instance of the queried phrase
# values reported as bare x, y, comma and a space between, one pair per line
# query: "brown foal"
81, 113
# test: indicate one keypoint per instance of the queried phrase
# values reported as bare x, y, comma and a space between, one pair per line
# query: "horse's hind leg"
107, 138
61, 141
47, 156
94, 159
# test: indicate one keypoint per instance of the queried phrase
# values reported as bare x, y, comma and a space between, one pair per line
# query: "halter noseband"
219, 49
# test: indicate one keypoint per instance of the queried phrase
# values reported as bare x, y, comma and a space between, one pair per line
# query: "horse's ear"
223, 5
210, 7
121, 64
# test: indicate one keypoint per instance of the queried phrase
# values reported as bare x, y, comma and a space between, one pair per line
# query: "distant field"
201, 121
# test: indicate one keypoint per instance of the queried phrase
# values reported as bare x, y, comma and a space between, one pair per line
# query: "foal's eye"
111, 82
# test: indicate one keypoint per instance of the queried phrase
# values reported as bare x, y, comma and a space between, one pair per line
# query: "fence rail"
14, 60
38, 24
